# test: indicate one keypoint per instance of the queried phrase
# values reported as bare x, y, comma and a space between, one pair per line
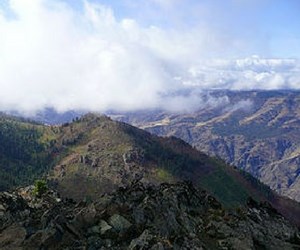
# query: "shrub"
40, 187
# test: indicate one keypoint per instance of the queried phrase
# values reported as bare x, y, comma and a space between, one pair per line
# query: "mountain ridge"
94, 155
256, 131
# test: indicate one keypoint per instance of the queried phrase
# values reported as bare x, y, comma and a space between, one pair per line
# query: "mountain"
24, 151
50, 116
257, 131
103, 154
139, 216
95, 155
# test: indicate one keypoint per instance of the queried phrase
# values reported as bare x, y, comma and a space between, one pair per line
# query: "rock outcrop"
139, 216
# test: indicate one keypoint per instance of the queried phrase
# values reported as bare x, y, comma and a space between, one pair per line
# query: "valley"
257, 131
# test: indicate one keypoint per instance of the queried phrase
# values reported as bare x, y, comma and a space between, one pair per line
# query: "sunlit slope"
257, 131
95, 155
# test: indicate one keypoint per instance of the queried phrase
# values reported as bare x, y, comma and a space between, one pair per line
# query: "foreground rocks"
169, 216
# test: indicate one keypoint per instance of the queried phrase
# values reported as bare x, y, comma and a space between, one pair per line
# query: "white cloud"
247, 73
244, 105
166, 3
52, 55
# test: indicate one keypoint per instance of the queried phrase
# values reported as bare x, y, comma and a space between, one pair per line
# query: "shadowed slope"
94, 155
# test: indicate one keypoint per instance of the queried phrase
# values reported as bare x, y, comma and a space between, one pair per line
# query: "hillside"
168, 216
25, 151
258, 131
103, 154
95, 155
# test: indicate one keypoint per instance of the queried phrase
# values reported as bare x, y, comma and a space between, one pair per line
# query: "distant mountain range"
94, 155
257, 131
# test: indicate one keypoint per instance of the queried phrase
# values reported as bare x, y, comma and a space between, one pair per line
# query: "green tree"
40, 187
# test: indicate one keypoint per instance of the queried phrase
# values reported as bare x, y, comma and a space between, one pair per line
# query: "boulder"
119, 223
104, 227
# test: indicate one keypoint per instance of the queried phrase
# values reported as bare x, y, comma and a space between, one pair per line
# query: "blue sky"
130, 54
270, 27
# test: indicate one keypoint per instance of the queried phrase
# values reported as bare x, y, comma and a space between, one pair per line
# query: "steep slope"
168, 216
95, 155
258, 131
25, 151
103, 154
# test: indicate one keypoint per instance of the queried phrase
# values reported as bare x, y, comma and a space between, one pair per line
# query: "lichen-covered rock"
104, 227
142, 242
119, 223
168, 216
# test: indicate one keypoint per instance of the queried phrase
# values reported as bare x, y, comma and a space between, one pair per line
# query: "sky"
124, 55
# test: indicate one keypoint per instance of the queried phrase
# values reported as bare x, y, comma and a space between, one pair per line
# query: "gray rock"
142, 242
168, 216
104, 227
157, 246
94, 230
119, 223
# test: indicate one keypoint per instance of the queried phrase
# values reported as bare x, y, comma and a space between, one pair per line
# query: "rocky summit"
140, 216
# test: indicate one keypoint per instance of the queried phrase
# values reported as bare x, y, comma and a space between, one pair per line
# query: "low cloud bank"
54, 56
246, 74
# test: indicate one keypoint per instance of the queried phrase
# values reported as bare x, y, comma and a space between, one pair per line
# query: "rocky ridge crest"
139, 216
